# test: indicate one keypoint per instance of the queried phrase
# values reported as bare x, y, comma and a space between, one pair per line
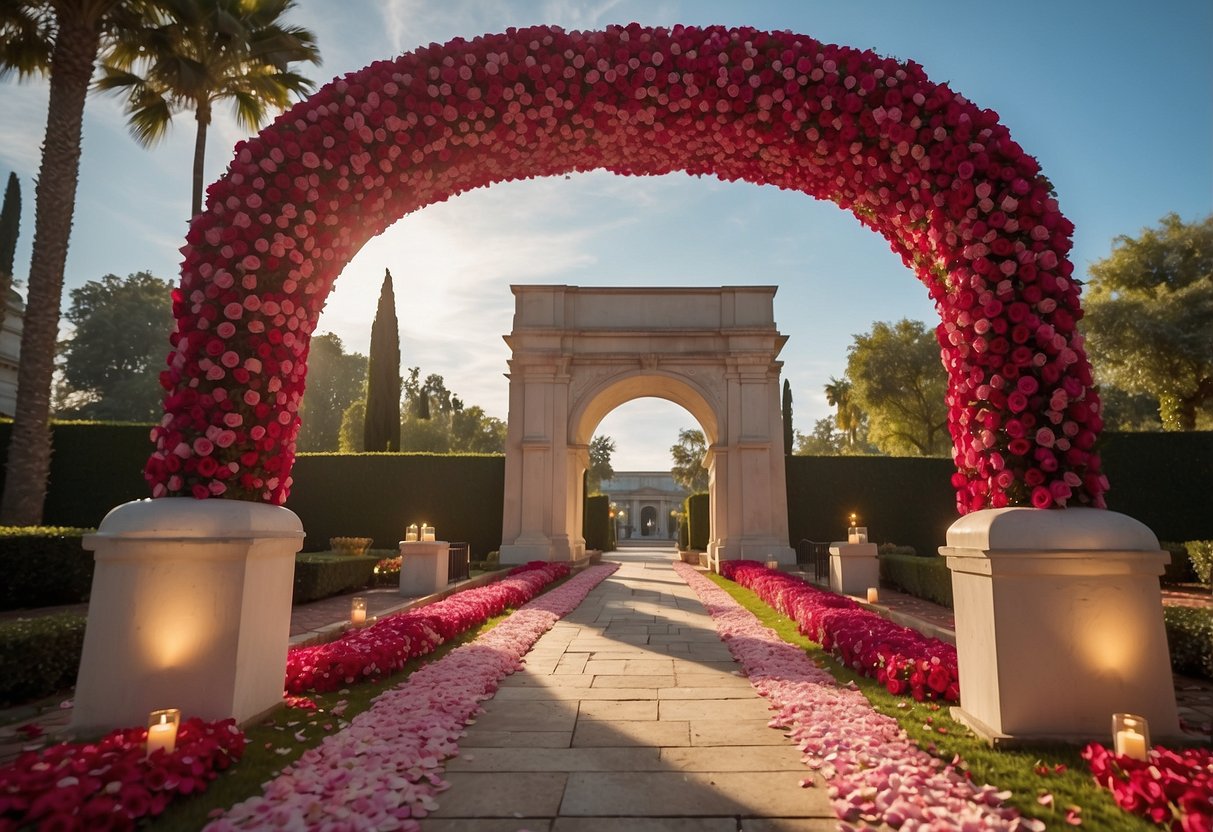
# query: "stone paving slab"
633, 680
783, 757
515, 739
510, 824
538, 694
729, 710
722, 732
645, 825
617, 709
692, 794
503, 794
559, 759
523, 716
618, 733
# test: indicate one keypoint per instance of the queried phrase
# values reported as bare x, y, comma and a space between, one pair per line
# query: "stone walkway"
630, 715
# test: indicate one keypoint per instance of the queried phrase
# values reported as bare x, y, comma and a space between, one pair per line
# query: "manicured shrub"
1190, 637
1179, 570
923, 577
597, 526
684, 532
324, 574
43, 566
1200, 554
698, 508
39, 656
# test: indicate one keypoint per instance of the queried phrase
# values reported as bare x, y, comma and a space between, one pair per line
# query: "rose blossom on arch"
938, 177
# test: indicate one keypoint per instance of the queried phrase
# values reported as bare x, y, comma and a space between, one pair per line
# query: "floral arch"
940, 178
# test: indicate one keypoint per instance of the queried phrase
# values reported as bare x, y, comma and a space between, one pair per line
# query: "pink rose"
1042, 497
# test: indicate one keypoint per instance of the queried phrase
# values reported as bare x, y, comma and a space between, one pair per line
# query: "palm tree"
848, 416
59, 39
203, 52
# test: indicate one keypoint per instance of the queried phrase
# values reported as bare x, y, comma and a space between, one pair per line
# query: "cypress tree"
381, 429
10, 226
788, 436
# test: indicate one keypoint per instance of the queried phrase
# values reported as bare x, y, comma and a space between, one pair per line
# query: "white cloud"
24, 125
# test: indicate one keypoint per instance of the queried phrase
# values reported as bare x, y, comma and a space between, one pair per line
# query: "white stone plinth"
853, 568
190, 609
423, 567
1058, 624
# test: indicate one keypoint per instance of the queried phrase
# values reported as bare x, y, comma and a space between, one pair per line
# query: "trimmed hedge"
1200, 556
39, 656
1190, 637
597, 525
325, 574
43, 566
1179, 570
699, 521
94, 467
923, 577
379, 495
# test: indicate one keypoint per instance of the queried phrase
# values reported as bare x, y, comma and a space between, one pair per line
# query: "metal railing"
809, 552
458, 566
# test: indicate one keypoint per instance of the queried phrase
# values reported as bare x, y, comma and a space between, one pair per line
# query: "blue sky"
1114, 98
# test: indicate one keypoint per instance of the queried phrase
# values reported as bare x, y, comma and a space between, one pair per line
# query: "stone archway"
940, 178
579, 353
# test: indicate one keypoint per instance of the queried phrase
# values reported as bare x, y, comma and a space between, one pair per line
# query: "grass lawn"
1029, 774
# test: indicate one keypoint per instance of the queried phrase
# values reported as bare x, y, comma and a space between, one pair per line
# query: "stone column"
190, 609
1058, 624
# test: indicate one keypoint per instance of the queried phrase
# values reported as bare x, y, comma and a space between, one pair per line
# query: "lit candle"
358, 611
873, 595
410, 536
772, 564
162, 730
1131, 736
427, 533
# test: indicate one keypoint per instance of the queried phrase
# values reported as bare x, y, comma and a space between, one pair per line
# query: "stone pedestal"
1058, 624
190, 609
853, 568
423, 567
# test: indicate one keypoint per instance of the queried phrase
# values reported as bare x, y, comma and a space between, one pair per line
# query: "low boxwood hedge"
1190, 637
923, 577
324, 574
43, 566
39, 656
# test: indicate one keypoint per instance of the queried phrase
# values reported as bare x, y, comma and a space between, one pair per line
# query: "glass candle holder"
873, 595
162, 730
427, 533
412, 534
857, 534
1131, 736
358, 611
772, 564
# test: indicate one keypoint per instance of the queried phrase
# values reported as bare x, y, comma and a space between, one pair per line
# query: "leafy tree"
899, 382
1128, 411
10, 227
335, 379
112, 361
601, 448
353, 420
849, 417
428, 435
59, 39
788, 434
825, 440
688, 454
203, 52
475, 432
1149, 318
381, 431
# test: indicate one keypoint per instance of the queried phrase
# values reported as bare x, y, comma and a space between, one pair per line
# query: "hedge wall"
597, 526
94, 467
699, 521
43, 567
379, 495
1161, 479
922, 577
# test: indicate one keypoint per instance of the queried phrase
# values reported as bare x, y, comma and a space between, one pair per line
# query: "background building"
645, 503
10, 353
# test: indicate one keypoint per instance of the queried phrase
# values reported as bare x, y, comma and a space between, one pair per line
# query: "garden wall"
1163, 479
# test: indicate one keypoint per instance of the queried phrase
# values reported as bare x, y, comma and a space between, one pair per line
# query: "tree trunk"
29, 451
203, 116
